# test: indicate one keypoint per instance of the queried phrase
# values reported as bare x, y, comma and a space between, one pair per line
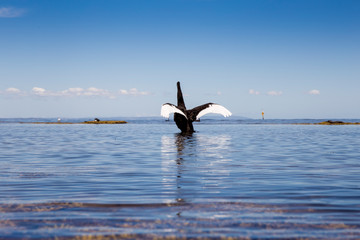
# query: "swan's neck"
180, 99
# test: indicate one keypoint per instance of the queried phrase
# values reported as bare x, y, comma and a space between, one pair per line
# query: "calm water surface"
143, 180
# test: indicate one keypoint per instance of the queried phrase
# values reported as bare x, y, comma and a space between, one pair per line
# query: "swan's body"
184, 118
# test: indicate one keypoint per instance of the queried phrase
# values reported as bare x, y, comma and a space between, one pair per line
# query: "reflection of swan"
184, 118
190, 163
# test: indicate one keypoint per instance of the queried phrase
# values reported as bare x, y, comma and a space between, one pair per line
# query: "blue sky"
86, 58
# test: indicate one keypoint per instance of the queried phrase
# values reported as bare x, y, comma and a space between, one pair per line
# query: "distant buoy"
262, 113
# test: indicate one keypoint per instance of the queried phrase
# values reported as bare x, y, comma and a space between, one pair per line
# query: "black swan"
184, 118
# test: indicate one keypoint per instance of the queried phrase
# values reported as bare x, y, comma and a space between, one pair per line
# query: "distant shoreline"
85, 122
159, 120
329, 122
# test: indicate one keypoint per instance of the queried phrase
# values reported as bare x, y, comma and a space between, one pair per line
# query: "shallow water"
143, 180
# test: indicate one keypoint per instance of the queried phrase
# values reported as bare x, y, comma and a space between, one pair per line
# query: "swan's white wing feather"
214, 108
168, 108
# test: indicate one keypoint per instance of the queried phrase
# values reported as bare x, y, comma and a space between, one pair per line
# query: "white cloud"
123, 92
314, 92
11, 12
86, 92
97, 92
13, 91
133, 92
253, 92
274, 93
40, 91
270, 93
74, 92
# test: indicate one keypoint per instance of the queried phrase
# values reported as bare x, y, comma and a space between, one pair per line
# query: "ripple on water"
146, 181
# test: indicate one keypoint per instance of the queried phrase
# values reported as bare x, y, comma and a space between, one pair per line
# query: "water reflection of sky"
194, 164
255, 181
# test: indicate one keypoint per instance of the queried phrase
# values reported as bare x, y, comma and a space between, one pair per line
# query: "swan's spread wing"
211, 108
169, 108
